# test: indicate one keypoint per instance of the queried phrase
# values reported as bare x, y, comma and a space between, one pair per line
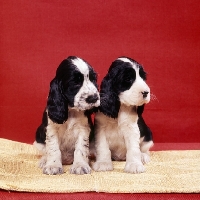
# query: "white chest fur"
118, 131
69, 133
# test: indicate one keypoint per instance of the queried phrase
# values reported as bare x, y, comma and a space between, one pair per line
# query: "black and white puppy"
120, 131
63, 136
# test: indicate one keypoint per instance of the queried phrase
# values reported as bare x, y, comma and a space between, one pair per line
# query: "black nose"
145, 93
92, 98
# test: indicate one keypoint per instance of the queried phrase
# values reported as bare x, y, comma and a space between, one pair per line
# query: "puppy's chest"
115, 140
71, 130
117, 128
116, 131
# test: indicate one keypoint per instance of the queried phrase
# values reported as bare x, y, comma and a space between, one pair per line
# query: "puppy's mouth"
88, 106
146, 100
97, 104
142, 101
85, 104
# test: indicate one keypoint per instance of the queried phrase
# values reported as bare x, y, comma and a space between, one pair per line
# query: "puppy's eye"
78, 78
127, 82
128, 79
92, 77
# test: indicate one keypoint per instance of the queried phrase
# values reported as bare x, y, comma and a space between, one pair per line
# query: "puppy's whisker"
153, 97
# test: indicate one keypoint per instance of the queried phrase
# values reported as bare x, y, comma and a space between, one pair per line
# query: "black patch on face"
93, 76
71, 86
126, 79
123, 76
71, 80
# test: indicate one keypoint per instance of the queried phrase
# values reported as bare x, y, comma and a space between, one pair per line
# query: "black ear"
57, 104
109, 100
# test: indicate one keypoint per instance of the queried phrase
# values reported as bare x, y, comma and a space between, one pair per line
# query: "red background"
164, 36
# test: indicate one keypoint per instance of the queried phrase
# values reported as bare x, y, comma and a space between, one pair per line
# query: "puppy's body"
64, 142
114, 131
63, 136
120, 131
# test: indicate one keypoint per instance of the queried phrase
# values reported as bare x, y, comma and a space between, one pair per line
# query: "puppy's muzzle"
92, 98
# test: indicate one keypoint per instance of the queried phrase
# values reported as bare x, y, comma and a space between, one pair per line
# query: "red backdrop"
164, 36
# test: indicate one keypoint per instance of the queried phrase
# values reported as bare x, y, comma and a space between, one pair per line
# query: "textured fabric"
168, 171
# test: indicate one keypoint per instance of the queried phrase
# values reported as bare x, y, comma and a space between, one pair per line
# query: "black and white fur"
120, 131
63, 136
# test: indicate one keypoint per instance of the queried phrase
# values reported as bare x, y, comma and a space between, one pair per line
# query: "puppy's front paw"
42, 162
145, 158
102, 166
80, 168
52, 170
134, 168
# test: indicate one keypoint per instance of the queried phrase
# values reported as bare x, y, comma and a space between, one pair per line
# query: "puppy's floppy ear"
57, 104
109, 100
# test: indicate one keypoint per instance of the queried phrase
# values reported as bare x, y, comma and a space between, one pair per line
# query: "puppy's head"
123, 84
74, 86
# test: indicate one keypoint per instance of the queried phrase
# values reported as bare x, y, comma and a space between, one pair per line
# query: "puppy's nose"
92, 98
145, 93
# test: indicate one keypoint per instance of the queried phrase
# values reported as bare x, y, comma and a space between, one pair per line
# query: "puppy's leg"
103, 154
81, 154
133, 155
42, 148
144, 147
53, 164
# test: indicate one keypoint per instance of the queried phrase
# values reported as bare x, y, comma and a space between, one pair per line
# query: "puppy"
120, 131
63, 136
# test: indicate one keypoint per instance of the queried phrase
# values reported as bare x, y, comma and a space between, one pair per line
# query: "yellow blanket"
168, 171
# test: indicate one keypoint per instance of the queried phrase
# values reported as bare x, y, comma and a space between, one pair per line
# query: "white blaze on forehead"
81, 65
132, 63
125, 60
129, 61
88, 88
